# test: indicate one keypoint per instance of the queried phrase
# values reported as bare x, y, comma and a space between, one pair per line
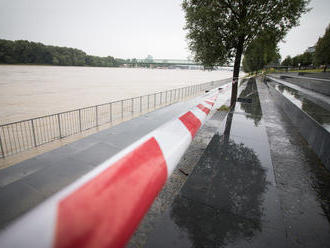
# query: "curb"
104, 207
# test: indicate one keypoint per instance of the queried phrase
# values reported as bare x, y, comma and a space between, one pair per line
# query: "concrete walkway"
257, 184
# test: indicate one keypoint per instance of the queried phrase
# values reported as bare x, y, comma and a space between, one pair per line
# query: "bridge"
169, 61
173, 63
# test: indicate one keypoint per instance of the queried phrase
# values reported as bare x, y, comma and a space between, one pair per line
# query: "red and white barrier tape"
104, 207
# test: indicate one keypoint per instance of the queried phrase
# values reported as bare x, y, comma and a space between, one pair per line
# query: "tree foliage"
260, 52
322, 49
305, 59
287, 61
217, 28
25, 52
220, 30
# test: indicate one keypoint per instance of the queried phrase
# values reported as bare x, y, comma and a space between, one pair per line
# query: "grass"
303, 70
224, 108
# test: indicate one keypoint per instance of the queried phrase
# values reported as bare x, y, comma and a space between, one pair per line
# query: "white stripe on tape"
173, 140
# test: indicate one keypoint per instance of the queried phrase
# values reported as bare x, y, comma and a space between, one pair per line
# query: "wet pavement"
320, 85
302, 181
316, 97
257, 184
309, 116
316, 111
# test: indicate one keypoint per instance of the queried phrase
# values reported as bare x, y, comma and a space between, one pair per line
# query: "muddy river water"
31, 91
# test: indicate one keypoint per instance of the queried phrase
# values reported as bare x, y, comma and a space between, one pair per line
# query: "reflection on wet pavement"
231, 198
318, 113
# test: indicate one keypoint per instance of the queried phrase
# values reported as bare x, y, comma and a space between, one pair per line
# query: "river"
32, 91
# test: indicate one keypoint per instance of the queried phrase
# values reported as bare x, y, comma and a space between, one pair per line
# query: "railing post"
165, 97
161, 99
96, 116
33, 133
140, 104
59, 125
122, 109
80, 126
154, 100
1, 147
132, 106
110, 112
148, 102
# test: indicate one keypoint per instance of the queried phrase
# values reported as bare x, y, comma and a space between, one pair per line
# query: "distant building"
310, 49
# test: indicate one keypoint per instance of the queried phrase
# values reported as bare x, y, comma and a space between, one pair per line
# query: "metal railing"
23, 135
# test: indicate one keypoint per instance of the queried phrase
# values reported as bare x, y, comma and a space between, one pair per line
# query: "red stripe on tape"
209, 102
191, 122
204, 109
105, 211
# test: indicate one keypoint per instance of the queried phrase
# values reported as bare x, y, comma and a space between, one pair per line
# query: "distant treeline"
26, 52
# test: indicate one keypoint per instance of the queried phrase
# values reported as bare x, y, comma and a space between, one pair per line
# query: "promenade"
257, 184
248, 179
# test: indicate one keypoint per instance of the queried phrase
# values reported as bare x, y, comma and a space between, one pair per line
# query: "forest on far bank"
27, 52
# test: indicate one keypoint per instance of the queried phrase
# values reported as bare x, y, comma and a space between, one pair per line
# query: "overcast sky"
127, 28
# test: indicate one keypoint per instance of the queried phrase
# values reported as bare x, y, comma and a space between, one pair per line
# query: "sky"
312, 26
128, 28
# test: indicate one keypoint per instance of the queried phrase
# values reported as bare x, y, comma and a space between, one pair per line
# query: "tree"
260, 52
322, 49
287, 61
149, 59
25, 52
305, 59
219, 31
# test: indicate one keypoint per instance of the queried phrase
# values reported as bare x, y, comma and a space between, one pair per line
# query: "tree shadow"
222, 200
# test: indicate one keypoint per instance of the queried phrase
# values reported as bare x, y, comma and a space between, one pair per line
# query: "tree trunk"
226, 133
325, 68
237, 64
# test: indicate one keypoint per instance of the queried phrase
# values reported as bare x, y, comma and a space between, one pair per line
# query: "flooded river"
31, 91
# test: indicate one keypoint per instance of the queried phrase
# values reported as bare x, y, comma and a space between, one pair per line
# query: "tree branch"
231, 8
